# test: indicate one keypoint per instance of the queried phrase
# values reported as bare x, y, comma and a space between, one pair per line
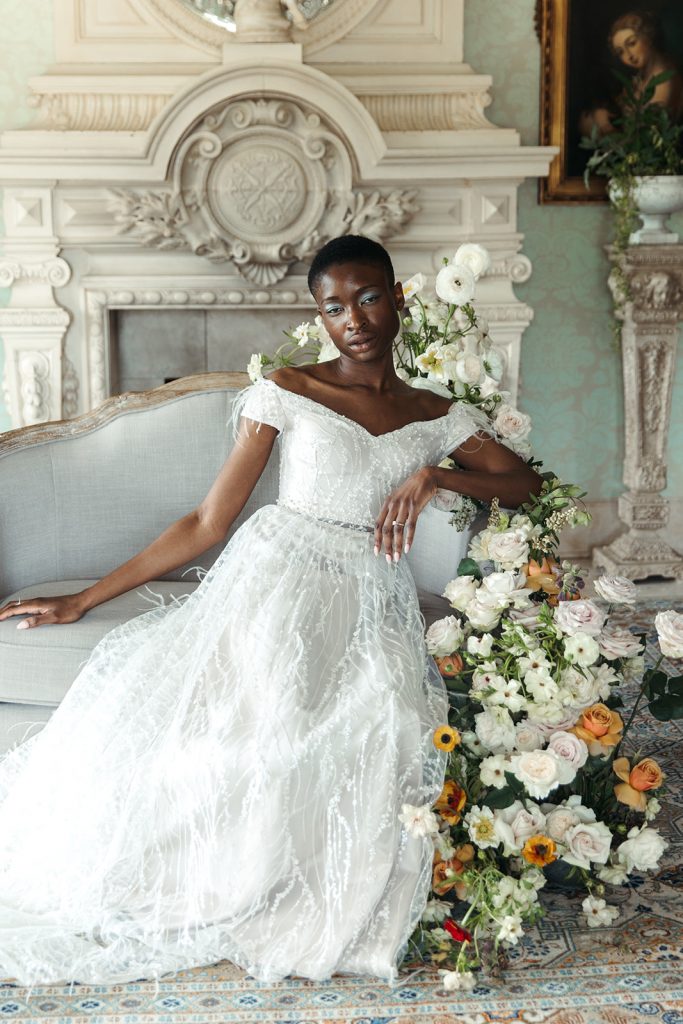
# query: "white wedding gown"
224, 778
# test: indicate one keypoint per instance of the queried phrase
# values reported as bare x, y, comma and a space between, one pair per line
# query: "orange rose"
451, 802
600, 728
450, 665
541, 577
444, 875
636, 781
465, 853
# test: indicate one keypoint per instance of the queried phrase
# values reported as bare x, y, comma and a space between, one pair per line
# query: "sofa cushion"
39, 665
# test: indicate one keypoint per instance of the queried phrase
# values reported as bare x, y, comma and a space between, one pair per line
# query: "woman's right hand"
44, 611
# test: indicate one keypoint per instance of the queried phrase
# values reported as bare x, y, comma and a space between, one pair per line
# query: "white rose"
524, 822
617, 642
469, 369
587, 842
455, 284
480, 645
541, 771
444, 636
581, 649
580, 690
460, 591
550, 717
511, 424
616, 589
582, 616
481, 616
527, 617
598, 913
509, 548
642, 848
479, 545
528, 736
669, 626
559, 821
419, 821
570, 748
633, 669
426, 384
255, 367
504, 589
495, 729
474, 256
604, 676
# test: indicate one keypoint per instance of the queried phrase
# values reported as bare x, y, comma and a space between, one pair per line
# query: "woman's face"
359, 308
631, 48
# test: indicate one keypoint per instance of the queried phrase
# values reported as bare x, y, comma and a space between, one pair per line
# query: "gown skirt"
224, 778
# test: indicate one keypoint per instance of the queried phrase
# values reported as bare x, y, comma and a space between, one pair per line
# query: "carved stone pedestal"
654, 277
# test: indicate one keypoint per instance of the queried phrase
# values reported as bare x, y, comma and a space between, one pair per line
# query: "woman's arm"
182, 541
489, 470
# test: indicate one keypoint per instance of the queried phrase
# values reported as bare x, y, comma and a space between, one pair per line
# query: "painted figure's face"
631, 48
359, 308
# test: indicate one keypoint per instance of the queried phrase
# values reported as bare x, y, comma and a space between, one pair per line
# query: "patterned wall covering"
571, 374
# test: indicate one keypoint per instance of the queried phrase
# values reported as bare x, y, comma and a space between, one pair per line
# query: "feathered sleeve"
464, 420
261, 402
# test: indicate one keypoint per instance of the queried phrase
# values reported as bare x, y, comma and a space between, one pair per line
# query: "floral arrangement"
536, 779
444, 346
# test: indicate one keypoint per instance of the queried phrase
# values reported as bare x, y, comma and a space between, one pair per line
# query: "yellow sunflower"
539, 850
446, 738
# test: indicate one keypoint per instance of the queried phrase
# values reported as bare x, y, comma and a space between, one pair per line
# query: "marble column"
654, 278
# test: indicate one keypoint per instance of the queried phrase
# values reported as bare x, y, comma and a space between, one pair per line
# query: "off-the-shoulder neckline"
348, 419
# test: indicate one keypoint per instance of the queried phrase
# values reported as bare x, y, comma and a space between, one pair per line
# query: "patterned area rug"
562, 973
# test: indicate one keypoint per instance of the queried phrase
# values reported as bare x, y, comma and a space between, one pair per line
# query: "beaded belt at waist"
298, 510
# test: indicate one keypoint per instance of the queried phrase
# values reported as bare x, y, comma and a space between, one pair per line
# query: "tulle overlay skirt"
224, 778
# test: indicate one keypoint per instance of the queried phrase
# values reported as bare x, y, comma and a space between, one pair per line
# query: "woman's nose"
355, 316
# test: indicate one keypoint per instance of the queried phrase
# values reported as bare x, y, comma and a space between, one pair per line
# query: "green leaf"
668, 708
468, 567
676, 685
655, 683
498, 799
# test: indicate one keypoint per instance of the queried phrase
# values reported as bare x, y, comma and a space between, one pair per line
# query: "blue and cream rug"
562, 973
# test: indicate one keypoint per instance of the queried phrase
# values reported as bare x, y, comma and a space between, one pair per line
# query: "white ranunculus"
255, 367
481, 616
413, 286
598, 913
479, 545
419, 821
540, 684
473, 743
495, 729
652, 808
569, 747
511, 423
489, 386
425, 384
510, 930
455, 284
581, 616
492, 771
436, 911
460, 591
535, 658
474, 256
457, 981
616, 589
480, 645
541, 771
506, 693
642, 849
587, 842
528, 736
509, 548
444, 636
617, 642
469, 369
581, 649
669, 626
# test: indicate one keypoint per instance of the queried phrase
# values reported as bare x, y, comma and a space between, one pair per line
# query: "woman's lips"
361, 341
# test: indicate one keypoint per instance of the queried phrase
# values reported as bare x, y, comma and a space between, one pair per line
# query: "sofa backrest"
83, 497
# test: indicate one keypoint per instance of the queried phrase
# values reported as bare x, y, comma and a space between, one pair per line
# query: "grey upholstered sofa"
78, 498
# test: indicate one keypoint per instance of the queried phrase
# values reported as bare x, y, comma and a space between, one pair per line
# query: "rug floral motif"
561, 973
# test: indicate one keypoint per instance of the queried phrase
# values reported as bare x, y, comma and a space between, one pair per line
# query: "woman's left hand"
395, 524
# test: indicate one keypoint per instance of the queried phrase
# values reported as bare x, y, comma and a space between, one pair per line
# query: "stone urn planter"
656, 197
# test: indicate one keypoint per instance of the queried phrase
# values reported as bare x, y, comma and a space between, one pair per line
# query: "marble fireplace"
160, 211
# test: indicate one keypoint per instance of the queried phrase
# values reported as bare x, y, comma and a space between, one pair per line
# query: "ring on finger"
398, 525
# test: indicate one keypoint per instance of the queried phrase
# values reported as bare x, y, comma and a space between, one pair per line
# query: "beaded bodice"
332, 467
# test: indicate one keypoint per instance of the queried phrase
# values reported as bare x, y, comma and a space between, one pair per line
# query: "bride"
225, 776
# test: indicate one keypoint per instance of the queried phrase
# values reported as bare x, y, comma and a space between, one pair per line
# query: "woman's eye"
369, 298
332, 310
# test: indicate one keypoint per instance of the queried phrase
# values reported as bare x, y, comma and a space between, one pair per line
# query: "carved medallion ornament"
263, 183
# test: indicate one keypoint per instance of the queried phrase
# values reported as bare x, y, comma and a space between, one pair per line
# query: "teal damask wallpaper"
571, 373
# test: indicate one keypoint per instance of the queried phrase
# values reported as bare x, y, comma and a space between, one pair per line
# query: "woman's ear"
399, 297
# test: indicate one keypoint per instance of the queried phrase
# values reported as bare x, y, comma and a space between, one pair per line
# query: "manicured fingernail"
376, 550
396, 556
389, 559
23, 624
406, 549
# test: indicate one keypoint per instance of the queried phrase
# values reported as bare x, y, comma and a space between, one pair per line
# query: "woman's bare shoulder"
298, 379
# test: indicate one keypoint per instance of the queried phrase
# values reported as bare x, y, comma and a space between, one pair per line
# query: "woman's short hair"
644, 23
349, 249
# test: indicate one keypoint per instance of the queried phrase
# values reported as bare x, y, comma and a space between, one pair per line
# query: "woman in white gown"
225, 776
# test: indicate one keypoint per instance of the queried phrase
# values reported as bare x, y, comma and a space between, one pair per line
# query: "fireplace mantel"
206, 176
